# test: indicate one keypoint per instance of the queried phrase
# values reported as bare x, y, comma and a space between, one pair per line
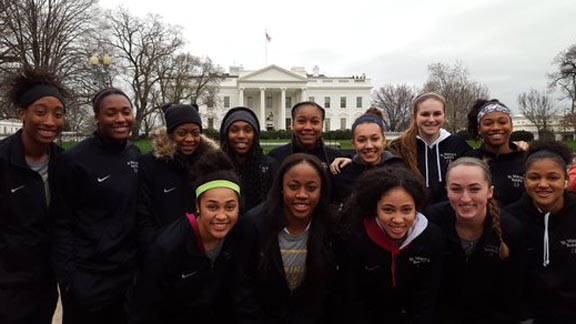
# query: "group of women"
193, 231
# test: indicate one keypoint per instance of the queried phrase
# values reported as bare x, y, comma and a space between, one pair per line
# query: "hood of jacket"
164, 148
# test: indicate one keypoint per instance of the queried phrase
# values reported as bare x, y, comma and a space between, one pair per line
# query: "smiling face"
218, 213
241, 137
545, 181
42, 121
396, 211
187, 138
469, 191
430, 118
307, 126
495, 129
369, 143
301, 187
115, 118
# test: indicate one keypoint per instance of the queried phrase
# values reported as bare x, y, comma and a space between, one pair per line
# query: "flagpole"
266, 41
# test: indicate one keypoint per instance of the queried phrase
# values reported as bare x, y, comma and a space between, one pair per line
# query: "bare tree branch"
395, 102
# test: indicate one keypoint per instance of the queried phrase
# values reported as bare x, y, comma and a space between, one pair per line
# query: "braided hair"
492, 206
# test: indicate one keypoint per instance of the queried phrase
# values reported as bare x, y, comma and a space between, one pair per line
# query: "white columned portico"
303, 95
241, 97
282, 122
262, 109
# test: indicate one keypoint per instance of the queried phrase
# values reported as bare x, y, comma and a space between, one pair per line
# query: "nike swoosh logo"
13, 190
188, 275
104, 179
167, 190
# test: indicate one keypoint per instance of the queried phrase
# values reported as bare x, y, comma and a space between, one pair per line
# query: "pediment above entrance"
272, 73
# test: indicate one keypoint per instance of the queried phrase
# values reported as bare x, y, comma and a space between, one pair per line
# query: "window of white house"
342, 102
327, 124
288, 102
358, 102
342, 123
326, 102
226, 102
311, 98
269, 102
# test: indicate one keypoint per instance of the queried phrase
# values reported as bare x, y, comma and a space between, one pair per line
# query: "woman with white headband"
491, 121
548, 213
187, 272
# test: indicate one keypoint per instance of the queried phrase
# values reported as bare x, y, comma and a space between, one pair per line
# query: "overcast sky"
507, 45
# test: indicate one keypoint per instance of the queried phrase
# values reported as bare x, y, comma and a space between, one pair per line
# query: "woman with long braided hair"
482, 266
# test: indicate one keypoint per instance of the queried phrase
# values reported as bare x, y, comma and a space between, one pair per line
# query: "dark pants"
28, 305
95, 298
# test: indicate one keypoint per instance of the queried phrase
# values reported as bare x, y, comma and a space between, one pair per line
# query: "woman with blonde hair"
426, 147
484, 251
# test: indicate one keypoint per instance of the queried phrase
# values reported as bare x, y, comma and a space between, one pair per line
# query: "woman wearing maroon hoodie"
390, 254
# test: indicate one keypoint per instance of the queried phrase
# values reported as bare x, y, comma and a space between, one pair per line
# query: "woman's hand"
338, 164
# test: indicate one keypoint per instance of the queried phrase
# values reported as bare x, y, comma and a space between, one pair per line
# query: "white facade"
272, 91
9, 127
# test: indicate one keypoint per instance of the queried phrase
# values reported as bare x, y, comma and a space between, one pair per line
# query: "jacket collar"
16, 152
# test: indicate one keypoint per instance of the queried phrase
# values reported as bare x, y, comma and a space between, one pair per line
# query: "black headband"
368, 119
39, 91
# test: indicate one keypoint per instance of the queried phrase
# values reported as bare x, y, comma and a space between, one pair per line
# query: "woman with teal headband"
187, 271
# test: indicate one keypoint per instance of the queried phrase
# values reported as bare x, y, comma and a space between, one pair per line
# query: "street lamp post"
100, 70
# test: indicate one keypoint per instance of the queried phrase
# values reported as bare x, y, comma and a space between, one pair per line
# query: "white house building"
9, 127
272, 91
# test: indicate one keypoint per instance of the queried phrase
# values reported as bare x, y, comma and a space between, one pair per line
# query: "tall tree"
460, 92
46, 34
537, 108
143, 46
395, 102
565, 77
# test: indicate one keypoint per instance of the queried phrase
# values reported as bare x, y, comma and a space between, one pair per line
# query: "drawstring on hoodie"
546, 250
437, 164
443, 135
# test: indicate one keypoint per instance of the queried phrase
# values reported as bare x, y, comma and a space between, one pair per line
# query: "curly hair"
214, 165
375, 183
25, 79
473, 125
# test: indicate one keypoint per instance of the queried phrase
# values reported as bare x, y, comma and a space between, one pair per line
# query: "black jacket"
24, 220
551, 289
94, 208
343, 183
177, 283
436, 157
370, 293
264, 296
480, 288
324, 153
507, 173
165, 188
